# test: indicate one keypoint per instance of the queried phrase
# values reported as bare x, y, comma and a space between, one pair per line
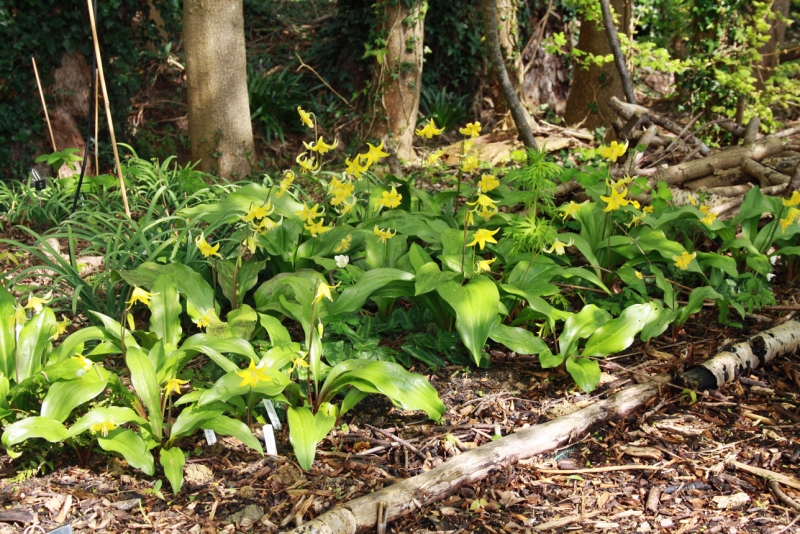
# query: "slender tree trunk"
398, 76
508, 36
770, 50
220, 131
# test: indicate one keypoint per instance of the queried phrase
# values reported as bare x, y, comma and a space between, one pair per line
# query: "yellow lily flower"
309, 164
354, 168
682, 262
174, 385
647, 209
253, 375
794, 200
104, 428
487, 183
383, 235
388, 199
429, 130
613, 151
433, 157
258, 212
309, 214
305, 117
639, 275
790, 218
615, 200
344, 244
472, 129
316, 228
324, 291
207, 318
205, 249
321, 146
483, 266
37, 303
61, 327
709, 219
469, 164
288, 178
482, 236
571, 209
85, 362
140, 295
374, 154
558, 247
267, 224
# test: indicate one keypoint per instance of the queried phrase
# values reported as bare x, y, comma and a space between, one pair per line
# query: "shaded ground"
664, 468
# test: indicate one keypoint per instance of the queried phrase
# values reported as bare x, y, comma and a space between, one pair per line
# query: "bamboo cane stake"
108, 109
96, 122
44, 105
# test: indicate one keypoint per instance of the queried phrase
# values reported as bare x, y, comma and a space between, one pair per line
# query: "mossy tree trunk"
220, 131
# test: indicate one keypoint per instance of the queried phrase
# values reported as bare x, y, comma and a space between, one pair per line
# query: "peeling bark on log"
734, 360
726, 159
765, 176
408, 496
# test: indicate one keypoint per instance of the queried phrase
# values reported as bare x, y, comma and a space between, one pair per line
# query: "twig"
401, 441
769, 475
781, 496
619, 59
44, 104
309, 67
607, 469
787, 527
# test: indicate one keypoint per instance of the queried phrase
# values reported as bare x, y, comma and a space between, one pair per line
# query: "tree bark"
521, 119
507, 36
220, 131
398, 78
619, 59
770, 50
592, 88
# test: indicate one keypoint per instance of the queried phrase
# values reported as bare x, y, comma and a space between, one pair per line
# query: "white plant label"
211, 436
273, 416
269, 439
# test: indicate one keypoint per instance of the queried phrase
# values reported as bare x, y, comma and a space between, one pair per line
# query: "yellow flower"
472, 129
483, 266
647, 209
354, 168
388, 199
466, 146
347, 207
344, 244
258, 212
305, 117
309, 164
85, 362
692, 200
709, 219
205, 249
374, 154
433, 157
309, 214
487, 183
616, 200
794, 200
790, 218
324, 291
174, 385
140, 295
383, 235
636, 219
253, 375
558, 247
321, 146
639, 275
571, 209
341, 191
61, 327
207, 318
298, 362
20, 316
482, 236
267, 224
37, 303
104, 428
316, 228
429, 130
613, 151
469, 164
635, 204
682, 262
288, 178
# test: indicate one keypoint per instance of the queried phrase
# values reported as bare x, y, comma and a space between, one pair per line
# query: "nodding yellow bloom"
388, 199
709, 219
344, 244
321, 146
429, 130
433, 157
571, 209
288, 178
469, 164
616, 199
487, 183
37, 303
85, 362
341, 191
647, 209
316, 228
794, 200
61, 327
258, 212
253, 375
636, 219
482, 236
466, 146
267, 224
682, 262
558, 247
104, 428
324, 291
375, 154
354, 168
347, 207
174, 385
305, 117
635, 204
20, 316
140, 295
205, 249
692, 200
205, 321
309, 214
790, 218
309, 164
639, 275
613, 151
483, 266
298, 362
383, 235
472, 129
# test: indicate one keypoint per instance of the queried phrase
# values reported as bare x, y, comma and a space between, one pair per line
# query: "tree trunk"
508, 35
592, 88
770, 50
220, 131
398, 77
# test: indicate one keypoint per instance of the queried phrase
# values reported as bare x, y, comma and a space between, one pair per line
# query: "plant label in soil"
269, 440
273, 416
211, 436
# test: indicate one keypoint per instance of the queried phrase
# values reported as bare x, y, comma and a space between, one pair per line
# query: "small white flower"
770, 276
342, 260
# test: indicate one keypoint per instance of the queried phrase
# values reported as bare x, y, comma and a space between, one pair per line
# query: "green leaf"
33, 427
66, 395
243, 321
238, 203
145, 383
628, 275
165, 307
475, 305
229, 386
658, 323
191, 418
111, 414
618, 334
34, 339
581, 325
353, 297
8, 334
133, 448
173, 461
246, 277
278, 334
429, 277
212, 347
302, 435
695, 302
517, 339
548, 360
585, 372
227, 426
189, 283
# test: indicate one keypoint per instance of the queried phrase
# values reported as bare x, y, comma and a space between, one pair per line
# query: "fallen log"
765, 176
408, 496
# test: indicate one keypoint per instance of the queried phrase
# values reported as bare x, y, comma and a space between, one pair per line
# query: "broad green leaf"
75, 341
145, 383
236, 204
33, 427
165, 308
8, 334
173, 461
585, 247
353, 297
475, 305
325, 419
246, 277
133, 448
189, 283
579, 326
231, 384
191, 418
302, 435
548, 360
278, 334
111, 414
695, 302
212, 347
587, 275
429, 277
227, 426
656, 326
585, 372
538, 304
243, 321
664, 285
351, 398
628, 275
66, 395
517, 339
618, 334
34, 338
418, 256
724, 263
113, 330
